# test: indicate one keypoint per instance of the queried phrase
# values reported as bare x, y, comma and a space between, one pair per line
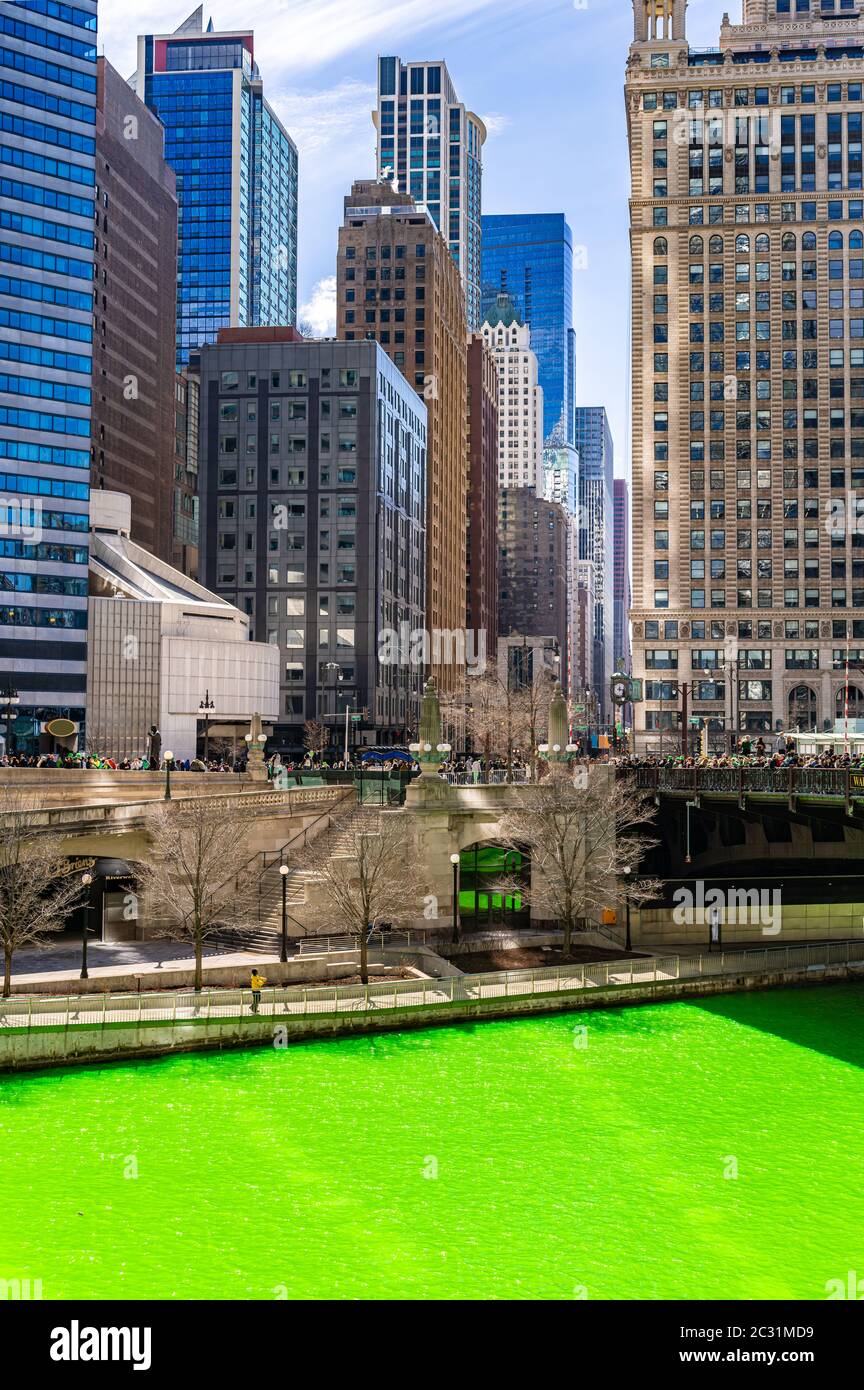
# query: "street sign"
355, 718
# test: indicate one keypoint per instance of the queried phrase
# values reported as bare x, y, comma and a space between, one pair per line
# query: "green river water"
515, 1159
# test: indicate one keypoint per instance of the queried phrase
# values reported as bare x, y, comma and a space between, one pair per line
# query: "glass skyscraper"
431, 147
47, 210
530, 257
236, 170
597, 533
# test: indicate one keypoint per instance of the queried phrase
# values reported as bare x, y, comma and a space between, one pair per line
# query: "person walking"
256, 984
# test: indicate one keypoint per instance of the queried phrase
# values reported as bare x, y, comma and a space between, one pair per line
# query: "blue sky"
546, 75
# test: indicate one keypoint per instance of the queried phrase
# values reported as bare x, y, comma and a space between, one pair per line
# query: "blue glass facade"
197, 111
597, 532
530, 257
236, 173
47, 212
431, 147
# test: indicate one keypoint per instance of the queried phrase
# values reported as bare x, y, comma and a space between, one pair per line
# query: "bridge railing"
841, 784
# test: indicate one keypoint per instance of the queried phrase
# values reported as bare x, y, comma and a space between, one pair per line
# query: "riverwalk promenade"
39, 1030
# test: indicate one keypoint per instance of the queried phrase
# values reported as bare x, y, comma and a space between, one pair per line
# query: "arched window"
808, 241
660, 246
802, 709
856, 241
695, 246
856, 702
835, 241
788, 242
742, 243
715, 245
763, 242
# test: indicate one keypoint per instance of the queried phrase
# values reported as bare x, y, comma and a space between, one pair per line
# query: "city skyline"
323, 88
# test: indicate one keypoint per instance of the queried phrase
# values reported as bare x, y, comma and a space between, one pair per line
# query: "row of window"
295, 409
43, 617
49, 231
792, 478
765, 598
761, 419
49, 102
230, 381
50, 72
296, 477
45, 357
837, 210
42, 584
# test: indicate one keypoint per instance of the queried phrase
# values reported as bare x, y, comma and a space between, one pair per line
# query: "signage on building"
60, 728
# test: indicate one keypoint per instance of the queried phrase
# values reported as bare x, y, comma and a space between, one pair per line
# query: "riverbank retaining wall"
23, 1048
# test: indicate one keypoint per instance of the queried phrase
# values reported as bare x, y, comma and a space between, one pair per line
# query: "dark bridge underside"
816, 851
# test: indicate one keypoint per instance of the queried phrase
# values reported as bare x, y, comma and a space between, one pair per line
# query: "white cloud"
318, 314
299, 35
334, 115
496, 122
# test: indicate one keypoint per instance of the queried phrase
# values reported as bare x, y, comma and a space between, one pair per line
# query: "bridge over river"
790, 785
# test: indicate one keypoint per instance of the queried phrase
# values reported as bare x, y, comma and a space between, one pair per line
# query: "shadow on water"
824, 1018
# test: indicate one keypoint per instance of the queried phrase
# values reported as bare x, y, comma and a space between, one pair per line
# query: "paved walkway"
107, 958
300, 1001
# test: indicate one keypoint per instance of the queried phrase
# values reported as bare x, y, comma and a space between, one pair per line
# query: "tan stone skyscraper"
748, 368
398, 283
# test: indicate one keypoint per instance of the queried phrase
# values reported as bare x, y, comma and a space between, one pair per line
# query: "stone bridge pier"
448, 819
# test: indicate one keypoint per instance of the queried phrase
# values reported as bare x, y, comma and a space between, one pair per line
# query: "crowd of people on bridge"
783, 754
77, 762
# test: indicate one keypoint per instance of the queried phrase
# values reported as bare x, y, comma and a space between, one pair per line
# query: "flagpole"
846, 701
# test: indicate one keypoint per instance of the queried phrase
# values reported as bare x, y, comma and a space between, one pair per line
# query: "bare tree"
316, 737
581, 830
38, 893
371, 880
532, 702
99, 739
490, 713
197, 873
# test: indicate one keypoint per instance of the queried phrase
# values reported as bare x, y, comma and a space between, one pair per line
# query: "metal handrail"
839, 783
279, 853
85, 1010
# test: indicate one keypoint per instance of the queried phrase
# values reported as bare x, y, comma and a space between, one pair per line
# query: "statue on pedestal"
256, 766
154, 748
428, 755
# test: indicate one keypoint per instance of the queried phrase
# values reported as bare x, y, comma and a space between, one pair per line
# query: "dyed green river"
506, 1160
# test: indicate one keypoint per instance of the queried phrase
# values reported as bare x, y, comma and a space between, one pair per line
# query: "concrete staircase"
304, 916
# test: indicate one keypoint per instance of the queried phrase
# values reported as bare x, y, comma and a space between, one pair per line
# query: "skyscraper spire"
195, 23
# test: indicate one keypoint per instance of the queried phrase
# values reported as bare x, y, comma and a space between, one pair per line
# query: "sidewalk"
107, 958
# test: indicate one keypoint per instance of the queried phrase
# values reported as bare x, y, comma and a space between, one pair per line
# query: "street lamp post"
205, 709
9, 699
627, 946
715, 936
169, 758
334, 669
284, 872
86, 879
454, 860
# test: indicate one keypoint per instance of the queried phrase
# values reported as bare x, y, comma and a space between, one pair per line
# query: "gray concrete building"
312, 503
532, 570
158, 643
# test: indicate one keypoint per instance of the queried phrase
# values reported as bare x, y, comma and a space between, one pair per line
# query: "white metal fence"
185, 1007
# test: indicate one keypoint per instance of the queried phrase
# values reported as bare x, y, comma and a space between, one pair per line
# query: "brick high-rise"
482, 590
747, 236
135, 283
398, 284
